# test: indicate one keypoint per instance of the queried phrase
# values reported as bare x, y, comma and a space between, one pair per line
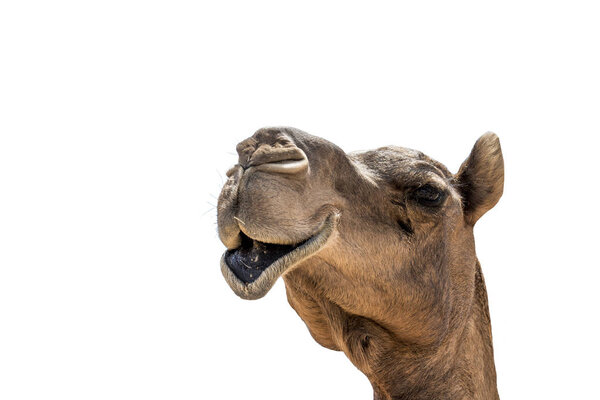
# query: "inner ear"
480, 179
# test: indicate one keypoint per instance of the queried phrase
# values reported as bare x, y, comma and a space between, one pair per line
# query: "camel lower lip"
252, 269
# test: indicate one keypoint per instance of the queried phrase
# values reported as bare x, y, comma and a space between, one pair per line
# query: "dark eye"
430, 196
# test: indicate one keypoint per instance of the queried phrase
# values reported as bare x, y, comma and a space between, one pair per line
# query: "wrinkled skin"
377, 253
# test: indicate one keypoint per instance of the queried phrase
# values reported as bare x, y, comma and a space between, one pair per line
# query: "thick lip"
261, 286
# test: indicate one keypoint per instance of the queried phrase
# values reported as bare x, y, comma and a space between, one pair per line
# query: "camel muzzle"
252, 269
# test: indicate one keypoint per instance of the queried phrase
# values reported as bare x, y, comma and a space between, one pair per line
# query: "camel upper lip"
290, 166
252, 268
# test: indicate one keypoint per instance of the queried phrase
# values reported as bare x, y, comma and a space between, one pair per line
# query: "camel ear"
480, 179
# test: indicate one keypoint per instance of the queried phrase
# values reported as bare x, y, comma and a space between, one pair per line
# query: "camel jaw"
252, 269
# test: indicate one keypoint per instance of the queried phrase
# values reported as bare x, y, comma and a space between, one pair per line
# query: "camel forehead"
393, 163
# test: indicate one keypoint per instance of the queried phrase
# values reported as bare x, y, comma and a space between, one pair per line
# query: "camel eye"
429, 195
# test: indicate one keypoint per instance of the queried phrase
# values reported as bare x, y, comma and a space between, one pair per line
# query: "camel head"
385, 235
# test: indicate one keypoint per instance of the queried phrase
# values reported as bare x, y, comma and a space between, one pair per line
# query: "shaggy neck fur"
460, 366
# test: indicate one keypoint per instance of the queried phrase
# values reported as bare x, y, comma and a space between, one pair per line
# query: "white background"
118, 120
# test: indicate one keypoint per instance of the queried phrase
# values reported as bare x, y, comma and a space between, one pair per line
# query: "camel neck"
462, 367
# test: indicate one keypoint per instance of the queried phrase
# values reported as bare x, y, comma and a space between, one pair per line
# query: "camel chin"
252, 269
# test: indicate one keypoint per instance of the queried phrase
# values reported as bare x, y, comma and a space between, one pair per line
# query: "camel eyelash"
429, 195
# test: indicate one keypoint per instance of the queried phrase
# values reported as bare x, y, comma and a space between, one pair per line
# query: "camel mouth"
252, 268
250, 260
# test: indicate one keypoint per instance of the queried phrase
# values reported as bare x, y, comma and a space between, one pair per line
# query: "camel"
377, 253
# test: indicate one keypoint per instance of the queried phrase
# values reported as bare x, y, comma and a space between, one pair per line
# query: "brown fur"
396, 286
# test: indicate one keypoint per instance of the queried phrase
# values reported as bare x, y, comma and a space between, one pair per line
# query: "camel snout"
272, 150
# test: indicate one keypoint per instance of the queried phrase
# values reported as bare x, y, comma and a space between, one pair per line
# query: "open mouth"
252, 268
249, 260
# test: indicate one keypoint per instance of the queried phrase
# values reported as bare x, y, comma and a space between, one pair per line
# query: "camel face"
294, 199
376, 248
374, 210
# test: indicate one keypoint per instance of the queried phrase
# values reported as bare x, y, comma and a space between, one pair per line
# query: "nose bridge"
269, 146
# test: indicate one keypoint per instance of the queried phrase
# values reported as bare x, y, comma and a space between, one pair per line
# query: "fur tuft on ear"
480, 179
